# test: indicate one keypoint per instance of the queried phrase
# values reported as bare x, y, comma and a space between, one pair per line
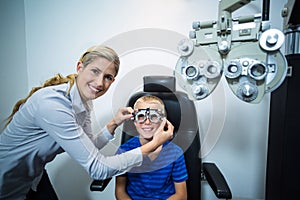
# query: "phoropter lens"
142, 115
154, 118
191, 72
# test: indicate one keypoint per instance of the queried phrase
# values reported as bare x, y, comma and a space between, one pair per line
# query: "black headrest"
159, 84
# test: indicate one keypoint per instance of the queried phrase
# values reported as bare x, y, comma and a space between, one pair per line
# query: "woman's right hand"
122, 115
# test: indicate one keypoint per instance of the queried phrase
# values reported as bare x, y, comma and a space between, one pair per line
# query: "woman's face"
147, 128
94, 79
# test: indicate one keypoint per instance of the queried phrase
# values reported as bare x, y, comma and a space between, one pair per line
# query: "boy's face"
147, 128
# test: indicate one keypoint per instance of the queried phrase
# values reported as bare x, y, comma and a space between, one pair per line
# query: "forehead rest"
159, 84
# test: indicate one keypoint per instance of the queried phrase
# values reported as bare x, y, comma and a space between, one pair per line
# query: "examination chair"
182, 114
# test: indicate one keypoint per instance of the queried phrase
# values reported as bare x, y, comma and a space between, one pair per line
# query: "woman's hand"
122, 115
164, 132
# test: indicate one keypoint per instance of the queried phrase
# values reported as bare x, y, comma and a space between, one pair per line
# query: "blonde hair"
152, 100
89, 56
100, 51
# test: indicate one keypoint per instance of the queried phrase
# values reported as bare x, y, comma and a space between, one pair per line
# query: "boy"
162, 174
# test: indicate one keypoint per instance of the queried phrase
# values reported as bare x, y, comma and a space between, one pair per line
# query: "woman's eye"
109, 77
96, 72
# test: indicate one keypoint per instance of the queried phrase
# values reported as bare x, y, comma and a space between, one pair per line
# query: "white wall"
145, 33
13, 75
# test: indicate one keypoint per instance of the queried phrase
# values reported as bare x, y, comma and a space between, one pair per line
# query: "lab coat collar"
78, 105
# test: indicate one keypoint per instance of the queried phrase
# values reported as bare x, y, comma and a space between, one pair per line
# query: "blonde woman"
55, 118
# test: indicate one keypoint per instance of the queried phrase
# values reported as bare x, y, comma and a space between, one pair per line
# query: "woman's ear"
79, 66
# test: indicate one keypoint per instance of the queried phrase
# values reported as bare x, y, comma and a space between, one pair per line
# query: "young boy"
163, 173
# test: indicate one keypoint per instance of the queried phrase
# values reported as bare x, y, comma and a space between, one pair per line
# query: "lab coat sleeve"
59, 122
99, 138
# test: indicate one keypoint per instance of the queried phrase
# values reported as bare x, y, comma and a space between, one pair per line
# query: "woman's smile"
95, 89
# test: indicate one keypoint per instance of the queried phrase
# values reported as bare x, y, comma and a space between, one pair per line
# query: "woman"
56, 117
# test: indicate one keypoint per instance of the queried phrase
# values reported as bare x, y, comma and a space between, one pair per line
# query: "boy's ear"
166, 127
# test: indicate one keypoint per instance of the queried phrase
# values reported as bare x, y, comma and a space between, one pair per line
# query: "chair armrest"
99, 185
216, 181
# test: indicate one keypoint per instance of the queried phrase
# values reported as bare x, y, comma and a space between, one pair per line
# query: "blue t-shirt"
154, 179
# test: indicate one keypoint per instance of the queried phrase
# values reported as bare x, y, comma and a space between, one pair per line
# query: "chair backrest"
182, 114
